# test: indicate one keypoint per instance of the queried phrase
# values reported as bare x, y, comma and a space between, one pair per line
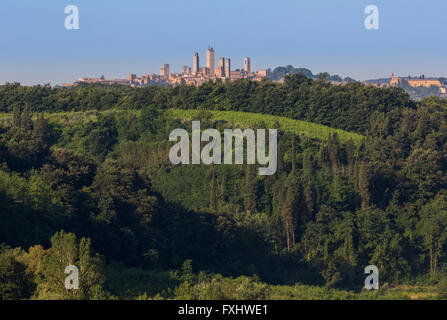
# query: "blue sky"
118, 37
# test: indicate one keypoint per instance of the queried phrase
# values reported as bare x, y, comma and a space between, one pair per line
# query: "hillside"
98, 179
298, 127
237, 118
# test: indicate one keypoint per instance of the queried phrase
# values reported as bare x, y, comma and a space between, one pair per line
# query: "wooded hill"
92, 161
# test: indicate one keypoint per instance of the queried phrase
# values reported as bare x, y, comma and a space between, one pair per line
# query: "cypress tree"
213, 191
333, 150
308, 164
363, 185
17, 117
293, 155
27, 122
250, 189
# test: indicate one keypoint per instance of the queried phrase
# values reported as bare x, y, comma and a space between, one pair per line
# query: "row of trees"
346, 107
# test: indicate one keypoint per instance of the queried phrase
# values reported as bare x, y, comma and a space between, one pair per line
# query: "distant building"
221, 63
227, 68
247, 65
204, 71
220, 71
186, 70
131, 77
262, 73
237, 74
414, 82
175, 79
210, 59
103, 81
195, 63
164, 71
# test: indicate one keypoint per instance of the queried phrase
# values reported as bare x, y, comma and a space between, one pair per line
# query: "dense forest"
85, 179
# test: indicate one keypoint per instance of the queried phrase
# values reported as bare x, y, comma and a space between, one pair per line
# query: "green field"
246, 119
237, 118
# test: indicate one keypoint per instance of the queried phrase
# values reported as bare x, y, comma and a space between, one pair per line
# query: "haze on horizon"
121, 37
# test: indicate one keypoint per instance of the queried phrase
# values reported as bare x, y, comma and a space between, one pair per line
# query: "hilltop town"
195, 75
416, 87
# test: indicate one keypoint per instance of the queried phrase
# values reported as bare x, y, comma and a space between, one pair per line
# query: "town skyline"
114, 77
195, 74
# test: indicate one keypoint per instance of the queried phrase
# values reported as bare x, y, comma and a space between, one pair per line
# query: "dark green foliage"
15, 282
331, 209
67, 250
346, 107
250, 189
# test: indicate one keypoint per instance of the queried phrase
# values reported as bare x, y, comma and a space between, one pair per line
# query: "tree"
67, 250
363, 184
287, 198
125, 207
26, 141
15, 282
213, 191
432, 228
293, 156
250, 189
425, 170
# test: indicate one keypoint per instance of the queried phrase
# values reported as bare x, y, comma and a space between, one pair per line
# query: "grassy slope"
246, 119
237, 118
